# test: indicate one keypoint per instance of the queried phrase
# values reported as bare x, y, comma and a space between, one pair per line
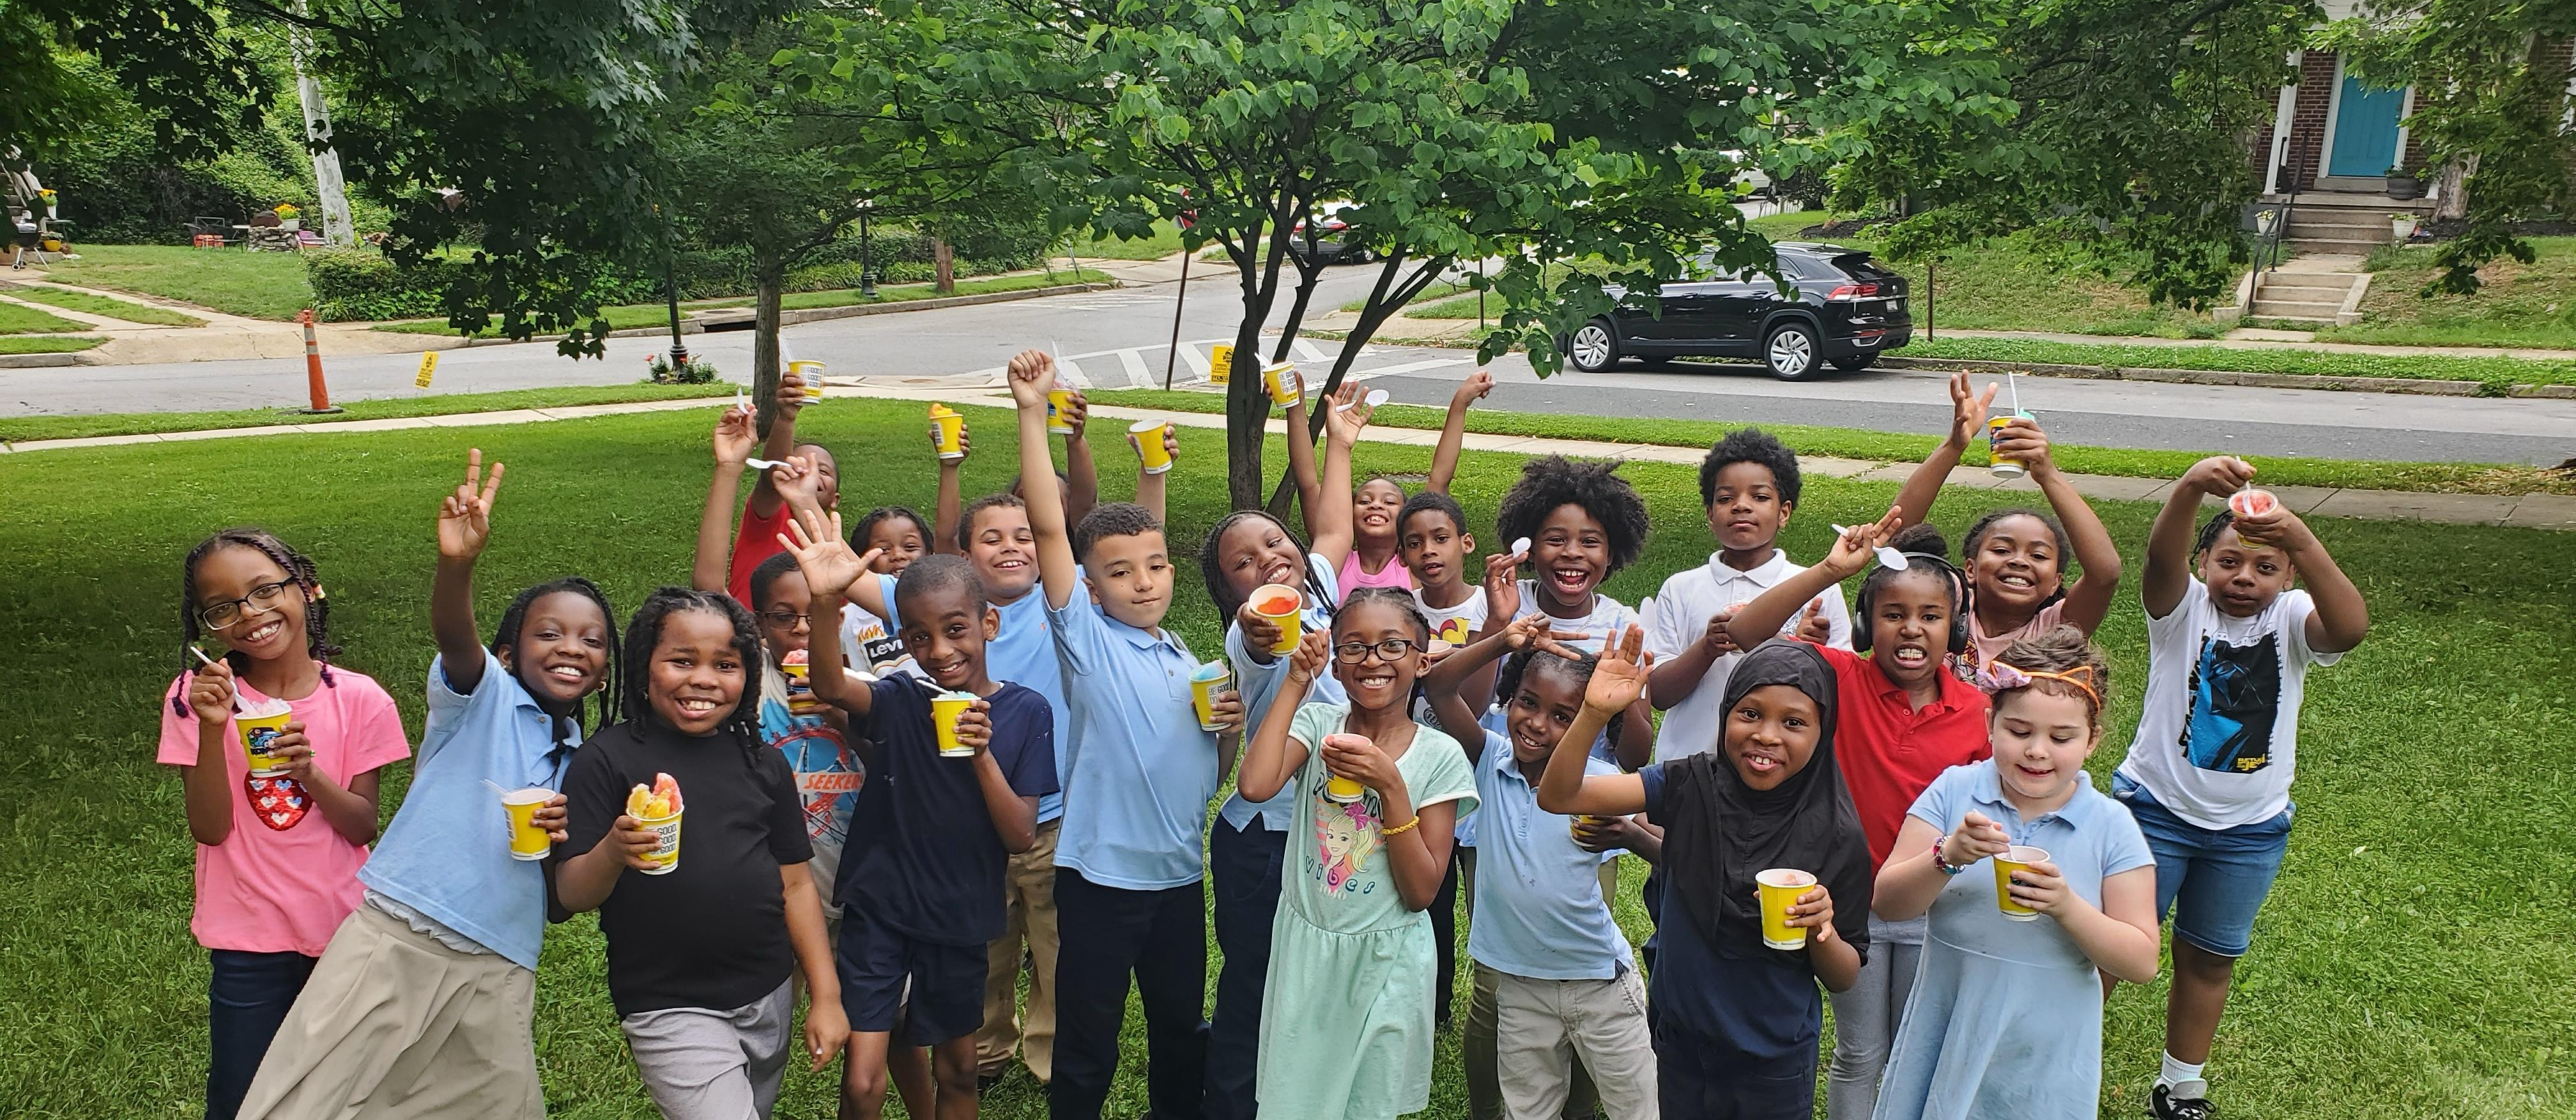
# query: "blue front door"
2365, 139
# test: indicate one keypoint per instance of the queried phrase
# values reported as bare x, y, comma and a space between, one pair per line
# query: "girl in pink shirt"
1373, 560
277, 852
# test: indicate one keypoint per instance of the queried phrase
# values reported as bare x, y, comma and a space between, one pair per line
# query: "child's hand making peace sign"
465, 517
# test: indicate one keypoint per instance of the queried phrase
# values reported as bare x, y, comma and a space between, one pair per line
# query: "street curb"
698, 323
2315, 381
37, 361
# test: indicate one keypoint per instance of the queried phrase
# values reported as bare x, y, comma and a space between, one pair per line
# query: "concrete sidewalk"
2527, 511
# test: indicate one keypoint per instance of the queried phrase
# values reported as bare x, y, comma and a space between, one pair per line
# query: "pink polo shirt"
284, 879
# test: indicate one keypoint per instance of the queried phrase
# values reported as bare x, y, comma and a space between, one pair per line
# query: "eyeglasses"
784, 618
1352, 653
265, 597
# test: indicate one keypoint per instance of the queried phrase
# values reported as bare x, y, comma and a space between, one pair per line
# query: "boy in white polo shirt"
1749, 483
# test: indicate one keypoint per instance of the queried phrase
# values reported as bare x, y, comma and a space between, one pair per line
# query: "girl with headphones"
1905, 716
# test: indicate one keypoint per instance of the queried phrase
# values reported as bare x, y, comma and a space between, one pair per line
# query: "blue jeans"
247, 998
2212, 881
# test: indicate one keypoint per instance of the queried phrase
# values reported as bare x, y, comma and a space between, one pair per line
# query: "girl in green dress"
1346, 1012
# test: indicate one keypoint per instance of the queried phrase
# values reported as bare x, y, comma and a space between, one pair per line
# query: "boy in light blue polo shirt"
426, 995
1564, 984
1128, 866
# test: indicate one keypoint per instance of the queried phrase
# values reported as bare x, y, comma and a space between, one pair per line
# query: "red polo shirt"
1889, 751
755, 541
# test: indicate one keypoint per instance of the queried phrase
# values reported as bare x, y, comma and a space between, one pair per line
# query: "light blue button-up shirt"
447, 852
1539, 910
1140, 772
1023, 653
1259, 685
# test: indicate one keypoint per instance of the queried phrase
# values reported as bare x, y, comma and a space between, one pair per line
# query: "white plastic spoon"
1887, 557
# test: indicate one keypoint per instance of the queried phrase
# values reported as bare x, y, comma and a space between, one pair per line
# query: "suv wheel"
1856, 362
1594, 347
1791, 351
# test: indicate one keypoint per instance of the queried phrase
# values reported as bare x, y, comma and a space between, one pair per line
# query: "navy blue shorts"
2213, 881
947, 996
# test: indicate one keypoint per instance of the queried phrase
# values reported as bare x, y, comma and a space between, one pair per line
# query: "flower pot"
290, 225
2401, 228
2405, 188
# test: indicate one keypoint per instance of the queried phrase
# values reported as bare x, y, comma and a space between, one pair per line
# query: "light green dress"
1346, 1009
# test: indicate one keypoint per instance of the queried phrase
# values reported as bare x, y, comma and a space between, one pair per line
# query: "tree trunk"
770, 279
943, 265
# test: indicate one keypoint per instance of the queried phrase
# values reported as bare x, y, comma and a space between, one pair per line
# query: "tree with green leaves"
2491, 98
2124, 139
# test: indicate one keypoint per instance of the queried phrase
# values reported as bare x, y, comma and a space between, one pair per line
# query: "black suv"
1843, 310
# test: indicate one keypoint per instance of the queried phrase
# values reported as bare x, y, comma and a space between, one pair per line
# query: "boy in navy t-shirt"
921, 880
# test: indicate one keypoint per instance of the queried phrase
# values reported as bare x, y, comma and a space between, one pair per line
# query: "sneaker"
2165, 1104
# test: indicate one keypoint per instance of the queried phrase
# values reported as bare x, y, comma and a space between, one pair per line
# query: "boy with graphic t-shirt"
2229, 646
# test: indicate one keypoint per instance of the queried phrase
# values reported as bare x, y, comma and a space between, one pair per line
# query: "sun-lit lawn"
2521, 305
255, 285
109, 306
20, 319
2414, 960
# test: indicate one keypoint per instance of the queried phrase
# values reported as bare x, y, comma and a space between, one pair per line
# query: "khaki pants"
1551, 1031
1029, 892
395, 1025
1481, 1049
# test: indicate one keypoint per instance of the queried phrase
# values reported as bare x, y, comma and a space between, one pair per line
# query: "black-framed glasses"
265, 597
784, 618
1352, 653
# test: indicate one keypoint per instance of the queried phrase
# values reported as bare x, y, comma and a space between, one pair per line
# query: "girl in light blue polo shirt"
426, 995
2006, 1015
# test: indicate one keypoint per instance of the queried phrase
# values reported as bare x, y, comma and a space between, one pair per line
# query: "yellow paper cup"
1780, 888
1209, 682
1058, 400
666, 843
1338, 788
2246, 503
808, 374
1574, 825
800, 688
1221, 363
952, 432
944, 710
1281, 604
258, 724
1281, 379
527, 841
1149, 445
2019, 857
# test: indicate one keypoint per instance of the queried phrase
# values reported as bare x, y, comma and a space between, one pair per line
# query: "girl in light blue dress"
2006, 1015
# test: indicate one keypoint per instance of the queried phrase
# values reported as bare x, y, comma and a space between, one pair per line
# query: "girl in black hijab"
1736, 1023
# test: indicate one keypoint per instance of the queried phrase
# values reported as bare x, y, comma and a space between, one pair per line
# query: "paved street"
1120, 338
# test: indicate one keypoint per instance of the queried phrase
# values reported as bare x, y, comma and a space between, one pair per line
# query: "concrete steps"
2340, 227
2311, 297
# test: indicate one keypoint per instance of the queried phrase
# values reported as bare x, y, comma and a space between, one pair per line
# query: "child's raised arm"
1031, 374
1301, 455
1272, 758
732, 440
1618, 680
464, 527
830, 568
1328, 519
1449, 683
2169, 540
765, 497
2090, 598
2342, 617
945, 509
1762, 618
1081, 474
1453, 430
1150, 485
1967, 418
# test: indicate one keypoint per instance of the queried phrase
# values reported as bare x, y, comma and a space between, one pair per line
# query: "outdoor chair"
209, 232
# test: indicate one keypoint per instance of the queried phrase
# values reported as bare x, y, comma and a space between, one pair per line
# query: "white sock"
2178, 1072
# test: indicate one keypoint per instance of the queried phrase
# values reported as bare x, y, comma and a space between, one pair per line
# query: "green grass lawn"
634, 315
2414, 959
105, 305
254, 285
1165, 241
19, 429
2498, 372
20, 319
51, 344
2531, 305
1856, 443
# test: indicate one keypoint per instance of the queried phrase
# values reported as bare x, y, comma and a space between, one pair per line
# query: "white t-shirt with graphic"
2218, 740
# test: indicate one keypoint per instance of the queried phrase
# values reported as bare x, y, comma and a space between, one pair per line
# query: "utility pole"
327, 184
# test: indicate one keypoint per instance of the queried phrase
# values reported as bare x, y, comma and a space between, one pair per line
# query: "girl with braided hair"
279, 847
435, 974
701, 950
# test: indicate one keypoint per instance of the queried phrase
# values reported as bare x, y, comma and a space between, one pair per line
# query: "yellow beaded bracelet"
1401, 829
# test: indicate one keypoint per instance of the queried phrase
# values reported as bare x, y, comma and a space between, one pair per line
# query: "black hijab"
1720, 832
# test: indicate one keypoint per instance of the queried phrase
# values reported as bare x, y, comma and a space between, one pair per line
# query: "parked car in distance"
1842, 310
1331, 243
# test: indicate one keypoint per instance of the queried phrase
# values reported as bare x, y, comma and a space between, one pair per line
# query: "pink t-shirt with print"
1988, 647
284, 879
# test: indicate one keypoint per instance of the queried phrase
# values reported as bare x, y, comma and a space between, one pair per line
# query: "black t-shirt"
712, 932
923, 856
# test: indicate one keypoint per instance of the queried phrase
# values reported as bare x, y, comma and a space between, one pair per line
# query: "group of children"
916, 759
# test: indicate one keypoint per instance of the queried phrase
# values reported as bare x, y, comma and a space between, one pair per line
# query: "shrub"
351, 284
